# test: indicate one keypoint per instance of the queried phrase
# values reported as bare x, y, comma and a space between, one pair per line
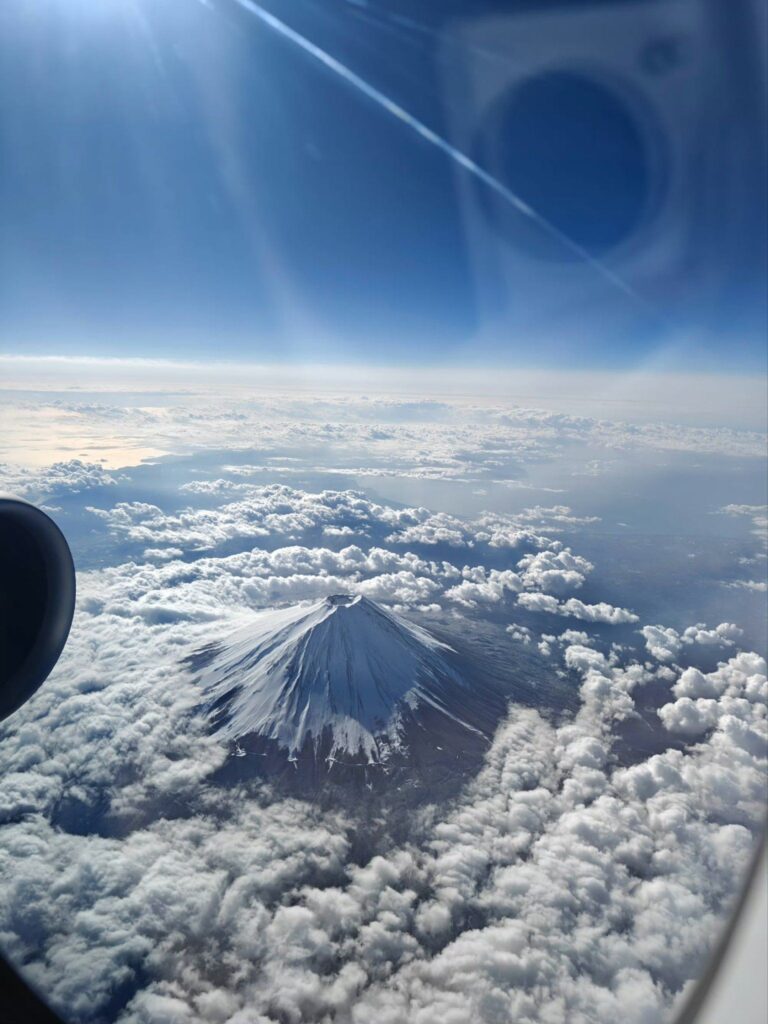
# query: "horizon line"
640, 368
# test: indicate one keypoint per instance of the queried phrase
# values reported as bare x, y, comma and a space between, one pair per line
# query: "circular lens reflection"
575, 151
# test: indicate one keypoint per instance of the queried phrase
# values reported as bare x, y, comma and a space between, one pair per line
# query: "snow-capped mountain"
342, 678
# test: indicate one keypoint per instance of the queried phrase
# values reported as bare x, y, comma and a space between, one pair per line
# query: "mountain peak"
342, 675
344, 600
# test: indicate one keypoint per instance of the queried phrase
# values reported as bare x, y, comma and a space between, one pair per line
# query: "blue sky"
184, 180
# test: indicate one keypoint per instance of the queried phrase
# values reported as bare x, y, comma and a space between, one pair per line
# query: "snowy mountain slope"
343, 674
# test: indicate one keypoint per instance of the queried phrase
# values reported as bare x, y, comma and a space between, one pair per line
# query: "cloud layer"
561, 886
569, 881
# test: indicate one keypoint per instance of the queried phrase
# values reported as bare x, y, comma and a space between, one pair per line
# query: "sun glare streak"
434, 139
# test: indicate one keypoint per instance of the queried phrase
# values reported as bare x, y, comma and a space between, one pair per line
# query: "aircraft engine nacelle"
37, 599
